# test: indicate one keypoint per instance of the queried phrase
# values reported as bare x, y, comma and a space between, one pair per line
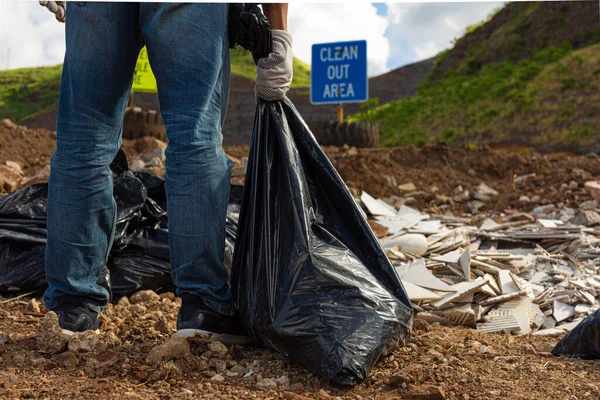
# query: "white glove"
274, 73
56, 7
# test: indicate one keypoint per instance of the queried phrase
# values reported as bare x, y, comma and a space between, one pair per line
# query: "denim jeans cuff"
52, 304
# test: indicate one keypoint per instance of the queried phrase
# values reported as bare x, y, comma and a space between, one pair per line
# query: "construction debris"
516, 272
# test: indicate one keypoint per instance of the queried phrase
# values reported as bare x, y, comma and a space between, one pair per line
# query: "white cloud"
322, 23
30, 36
420, 30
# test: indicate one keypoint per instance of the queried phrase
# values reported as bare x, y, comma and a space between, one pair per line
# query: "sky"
397, 34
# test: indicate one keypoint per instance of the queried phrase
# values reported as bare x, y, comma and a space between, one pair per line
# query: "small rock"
379, 230
143, 296
292, 396
34, 306
217, 378
239, 369
173, 348
49, 336
19, 359
231, 374
524, 199
573, 185
427, 392
218, 349
283, 380
472, 172
266, 383
297, 387
67, 360
15, 166
352, 151
399, 378
407, 187
83, 341
137, 165
323, 395
563, 187
535, 199
218, 365
162, 326
593, 188
10, 179
7, 380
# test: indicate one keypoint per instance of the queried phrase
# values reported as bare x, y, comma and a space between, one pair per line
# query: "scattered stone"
593, 188
15, 166
407, 187
283, 380
143, 296
34, 306
297, 387
8, 380
218, 349
573, 185
217, 378
266, 384
472, 172
173, 348
83, 341
67, 359
10, 179
427, 392
524, 199
292, 396
399, 378
218, 365
49, 336
137, 165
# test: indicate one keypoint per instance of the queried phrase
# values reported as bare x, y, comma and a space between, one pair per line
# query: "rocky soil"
134, 357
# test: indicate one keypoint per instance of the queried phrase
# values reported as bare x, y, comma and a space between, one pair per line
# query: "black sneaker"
195, 318
76, 318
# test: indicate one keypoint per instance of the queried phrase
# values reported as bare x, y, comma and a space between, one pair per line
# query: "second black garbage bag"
310, 279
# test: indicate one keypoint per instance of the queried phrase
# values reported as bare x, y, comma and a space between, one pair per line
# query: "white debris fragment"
377, 207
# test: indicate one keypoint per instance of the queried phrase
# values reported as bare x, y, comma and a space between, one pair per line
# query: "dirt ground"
450, 362
453, 362
436, 171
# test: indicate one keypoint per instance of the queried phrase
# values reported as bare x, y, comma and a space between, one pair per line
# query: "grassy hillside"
29, 91
481, 91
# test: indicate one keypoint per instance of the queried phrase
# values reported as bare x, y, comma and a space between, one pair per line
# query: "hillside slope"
529, 75
30, 91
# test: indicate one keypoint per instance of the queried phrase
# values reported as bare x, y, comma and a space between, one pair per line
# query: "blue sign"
338, 73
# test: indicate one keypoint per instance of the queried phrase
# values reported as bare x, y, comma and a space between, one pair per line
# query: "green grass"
551, 99
29, 91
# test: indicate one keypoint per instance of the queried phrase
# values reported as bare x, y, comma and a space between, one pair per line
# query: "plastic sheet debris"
310, 279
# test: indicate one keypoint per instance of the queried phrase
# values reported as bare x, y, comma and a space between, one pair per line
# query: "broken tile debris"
520, 273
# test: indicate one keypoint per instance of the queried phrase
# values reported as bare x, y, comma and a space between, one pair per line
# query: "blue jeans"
189, 53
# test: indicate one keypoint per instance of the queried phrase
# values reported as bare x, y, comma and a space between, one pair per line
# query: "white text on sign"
339, 71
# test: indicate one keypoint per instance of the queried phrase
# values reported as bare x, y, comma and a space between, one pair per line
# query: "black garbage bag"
310, 279
23, 242
583, 341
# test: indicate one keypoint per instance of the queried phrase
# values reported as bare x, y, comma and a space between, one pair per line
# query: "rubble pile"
522, 272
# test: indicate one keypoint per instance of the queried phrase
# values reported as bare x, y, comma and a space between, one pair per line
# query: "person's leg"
189, 53
102, 41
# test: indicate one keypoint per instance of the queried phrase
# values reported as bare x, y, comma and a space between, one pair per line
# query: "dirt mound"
457, 362
30, 148
445, 178
441, 175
